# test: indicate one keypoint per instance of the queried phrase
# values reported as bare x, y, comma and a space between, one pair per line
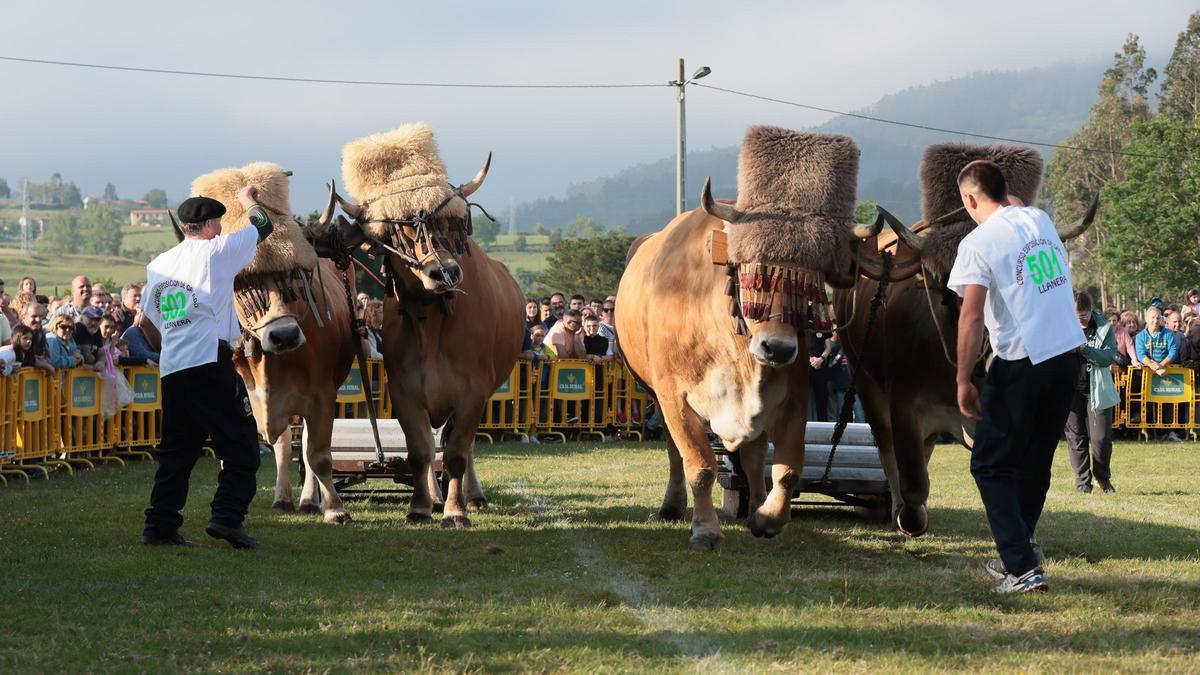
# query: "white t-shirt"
1030, 307
189, 297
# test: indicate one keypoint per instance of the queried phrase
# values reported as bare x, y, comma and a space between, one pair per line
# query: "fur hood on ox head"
397, 174
286, 248
795, 199
1022, 167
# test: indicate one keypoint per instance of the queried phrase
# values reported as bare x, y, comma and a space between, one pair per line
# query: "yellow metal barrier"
85, 433
8, 428
1166, 402
138, 426
509, 410
571, 401
631, 404
352, 399
37, 442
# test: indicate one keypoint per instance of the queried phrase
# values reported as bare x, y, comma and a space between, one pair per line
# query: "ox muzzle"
280, 334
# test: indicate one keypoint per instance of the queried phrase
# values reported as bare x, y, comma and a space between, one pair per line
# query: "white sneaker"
995, 566
1030, 581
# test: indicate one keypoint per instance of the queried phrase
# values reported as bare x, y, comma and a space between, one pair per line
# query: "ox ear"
1080, 226
715, 208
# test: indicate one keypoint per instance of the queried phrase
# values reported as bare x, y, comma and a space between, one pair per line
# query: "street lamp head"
703, 71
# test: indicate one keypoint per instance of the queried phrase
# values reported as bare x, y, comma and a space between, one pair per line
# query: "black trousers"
1025, 407
198, 403
1084, 425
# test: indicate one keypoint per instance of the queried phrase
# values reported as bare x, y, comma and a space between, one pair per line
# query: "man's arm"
970, 339
1172, 349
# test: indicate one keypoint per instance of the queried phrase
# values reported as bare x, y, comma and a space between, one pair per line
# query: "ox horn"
874, 267
1077, 228
902, 233
468, 188
715, 208
175, 226
865, 231
327, 214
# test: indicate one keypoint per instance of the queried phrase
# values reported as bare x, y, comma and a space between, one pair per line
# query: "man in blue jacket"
1156, 347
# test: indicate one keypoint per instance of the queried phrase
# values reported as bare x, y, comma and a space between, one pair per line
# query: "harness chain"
363, 371
848, 401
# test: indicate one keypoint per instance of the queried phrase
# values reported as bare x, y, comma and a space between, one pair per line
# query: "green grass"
530, 239
58, 270
586, 580
533, 261
155, 239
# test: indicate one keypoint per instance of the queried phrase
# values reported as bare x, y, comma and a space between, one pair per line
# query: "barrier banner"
351, 390
33, 405
1174, 387
573, 382
508, 389
146, 390
84, 393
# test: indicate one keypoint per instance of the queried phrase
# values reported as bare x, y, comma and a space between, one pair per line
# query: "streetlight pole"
680, 85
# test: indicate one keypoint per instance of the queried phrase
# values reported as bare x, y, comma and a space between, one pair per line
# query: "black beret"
200, 209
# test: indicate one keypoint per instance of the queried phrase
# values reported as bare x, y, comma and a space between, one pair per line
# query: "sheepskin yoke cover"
796, 199
397, 174
1022, 167
286, 248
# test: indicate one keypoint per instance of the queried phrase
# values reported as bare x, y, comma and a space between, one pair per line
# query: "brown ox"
452, 325
296, 344
904, 370
795, 201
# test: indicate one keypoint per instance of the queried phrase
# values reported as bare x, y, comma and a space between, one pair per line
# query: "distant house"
148, 217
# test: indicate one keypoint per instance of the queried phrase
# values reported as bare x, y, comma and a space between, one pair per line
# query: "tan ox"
296, 345
453, 321
674, 326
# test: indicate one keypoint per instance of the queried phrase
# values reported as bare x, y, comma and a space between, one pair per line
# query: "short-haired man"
566, 337
608, 322
189, 300
577, 302
1013, 275
557, 306
1173, 320
81, 297
87, 335
1155, 346
131, 297
33, 315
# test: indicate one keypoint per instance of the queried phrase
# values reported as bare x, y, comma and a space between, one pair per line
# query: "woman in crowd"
372, 329
533, 316
1124, 331
60, 343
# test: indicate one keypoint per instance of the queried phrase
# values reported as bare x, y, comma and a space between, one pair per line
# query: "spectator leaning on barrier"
1091, 418
81, 297
60, 344
1130, 327
598, 348
566, 336
33, 315
19, 354
1155, 347
87, 334
140, 351
540, 349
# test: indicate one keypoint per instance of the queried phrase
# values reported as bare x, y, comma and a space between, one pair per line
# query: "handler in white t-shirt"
189, 300
1012, 274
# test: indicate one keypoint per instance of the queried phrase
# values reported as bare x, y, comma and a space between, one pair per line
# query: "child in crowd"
540, 349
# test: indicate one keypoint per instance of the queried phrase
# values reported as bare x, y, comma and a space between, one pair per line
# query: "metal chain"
848, 401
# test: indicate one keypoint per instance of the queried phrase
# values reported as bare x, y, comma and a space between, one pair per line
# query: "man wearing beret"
189, 299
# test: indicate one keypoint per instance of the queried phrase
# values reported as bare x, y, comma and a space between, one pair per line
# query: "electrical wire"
912, 125
318, 80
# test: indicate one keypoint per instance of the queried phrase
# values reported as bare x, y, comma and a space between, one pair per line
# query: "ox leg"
284, 501
912, 519
418, 434
879, 415
456, 455
700, 467
319, 460
476, 500
787, 467
753, 455
674, 504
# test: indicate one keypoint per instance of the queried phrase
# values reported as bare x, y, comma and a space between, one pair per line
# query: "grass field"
57, 270
569, 571
534, 261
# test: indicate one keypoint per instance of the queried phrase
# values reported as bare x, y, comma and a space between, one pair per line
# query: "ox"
296, 344
452, 325
789, 231
905, 370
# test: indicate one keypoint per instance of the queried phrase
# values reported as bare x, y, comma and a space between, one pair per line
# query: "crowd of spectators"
557, 328
88, 328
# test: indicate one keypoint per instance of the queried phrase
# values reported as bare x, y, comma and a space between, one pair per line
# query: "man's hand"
1162, 372
968, 401
248, 196
815, 361
151, 364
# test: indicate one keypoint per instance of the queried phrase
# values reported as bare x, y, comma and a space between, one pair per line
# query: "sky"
142, 130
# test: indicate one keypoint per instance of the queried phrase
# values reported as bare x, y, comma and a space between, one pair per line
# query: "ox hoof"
912, 521
456, 522
763, 528
337, 517
707, 541
418, 518
283, 506
310, 508
478, 504
670, 514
